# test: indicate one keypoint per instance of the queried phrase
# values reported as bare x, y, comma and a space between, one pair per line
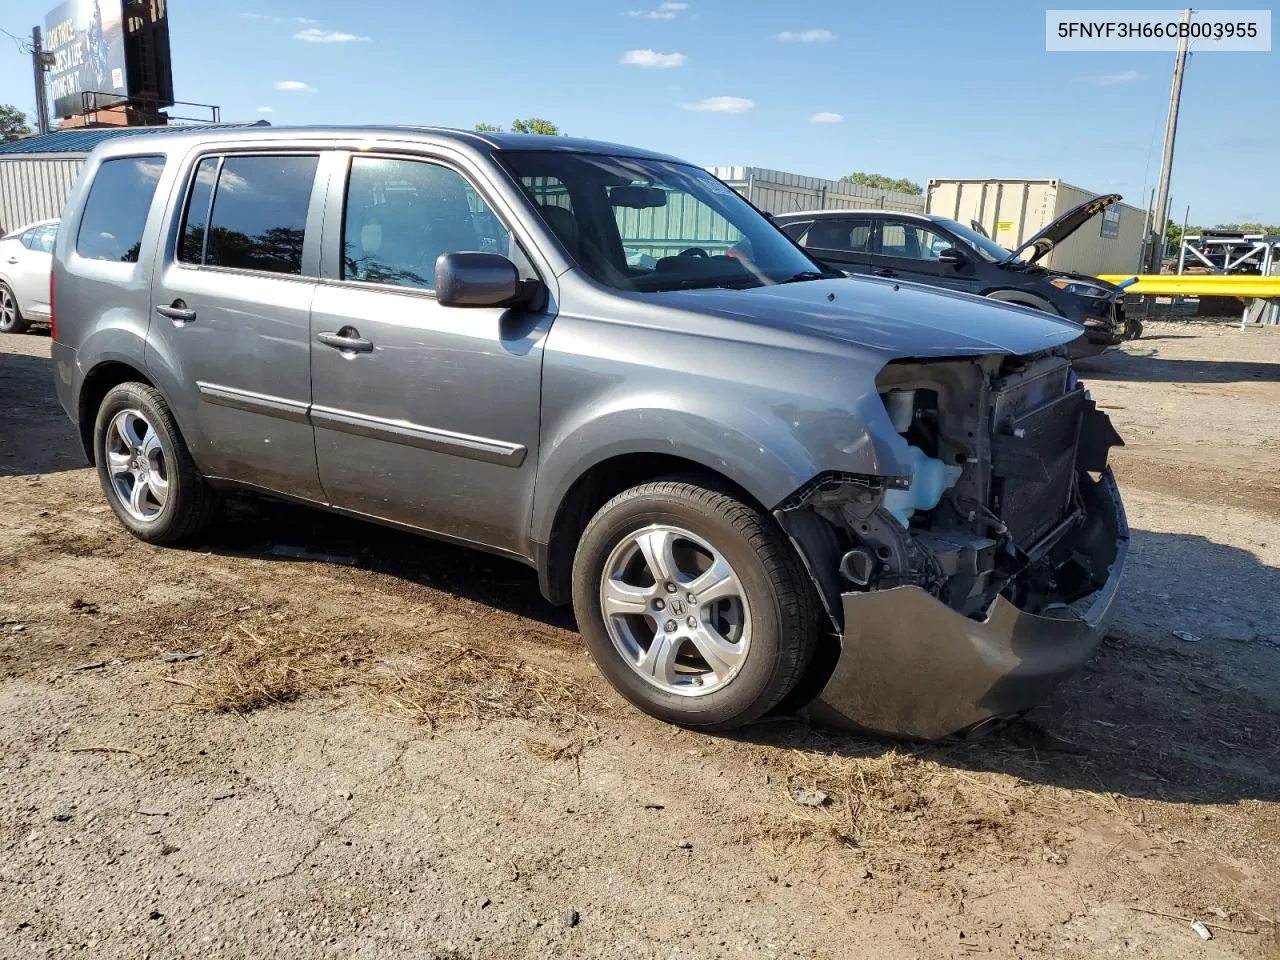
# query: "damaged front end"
966, 590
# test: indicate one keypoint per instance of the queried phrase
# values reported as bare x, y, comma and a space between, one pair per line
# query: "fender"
1022, 298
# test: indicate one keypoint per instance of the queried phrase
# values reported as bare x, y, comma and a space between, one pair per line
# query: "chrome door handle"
177, 311
348, 338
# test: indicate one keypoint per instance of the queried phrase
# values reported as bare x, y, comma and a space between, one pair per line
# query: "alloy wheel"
8, 309
675, 610
138, 465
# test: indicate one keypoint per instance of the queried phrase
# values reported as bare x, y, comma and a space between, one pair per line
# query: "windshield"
987, 248
651, 225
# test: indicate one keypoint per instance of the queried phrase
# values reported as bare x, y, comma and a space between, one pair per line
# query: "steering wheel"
694, 252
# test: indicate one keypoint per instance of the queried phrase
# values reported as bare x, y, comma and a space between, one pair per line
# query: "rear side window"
117, 207
257, 217
847, 235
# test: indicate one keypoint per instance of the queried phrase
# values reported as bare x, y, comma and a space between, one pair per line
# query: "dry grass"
458, 683
248, 671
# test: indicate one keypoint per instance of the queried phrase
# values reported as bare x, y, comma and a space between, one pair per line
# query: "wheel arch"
98, 382
600, 482
1022, 298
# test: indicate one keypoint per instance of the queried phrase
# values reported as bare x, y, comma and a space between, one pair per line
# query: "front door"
908, 250
843, 242
424, 415
231, 313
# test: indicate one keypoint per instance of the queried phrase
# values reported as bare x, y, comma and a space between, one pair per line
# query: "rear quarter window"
117, 207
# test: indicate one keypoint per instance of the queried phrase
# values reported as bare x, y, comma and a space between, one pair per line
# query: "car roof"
482, 142
34, 223
871, 212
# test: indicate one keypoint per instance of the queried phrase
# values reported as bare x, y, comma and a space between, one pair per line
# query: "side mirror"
951, 256
478, 280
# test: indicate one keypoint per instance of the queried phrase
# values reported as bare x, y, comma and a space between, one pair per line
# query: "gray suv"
753, 480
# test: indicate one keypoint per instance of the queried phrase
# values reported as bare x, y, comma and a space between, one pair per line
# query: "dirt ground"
411, 754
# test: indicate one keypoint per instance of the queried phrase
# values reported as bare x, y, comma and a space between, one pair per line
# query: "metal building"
1013, 211
774, 191
36, 173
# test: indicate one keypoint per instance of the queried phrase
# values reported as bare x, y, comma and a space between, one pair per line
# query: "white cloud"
663, 11
1110, 79
316, 35
295, 86
825, 117
651, 58
721, 105
265, 110
807, 36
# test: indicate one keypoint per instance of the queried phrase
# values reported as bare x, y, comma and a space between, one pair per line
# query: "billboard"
86, 38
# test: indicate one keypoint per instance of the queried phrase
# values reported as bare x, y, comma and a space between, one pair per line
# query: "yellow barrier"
1199, 285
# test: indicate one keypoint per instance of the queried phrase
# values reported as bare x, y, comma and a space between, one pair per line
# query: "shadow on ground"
1143, 366
35, 436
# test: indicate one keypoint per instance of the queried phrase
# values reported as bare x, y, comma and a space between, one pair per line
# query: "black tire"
16, 322
784, 618
190, 503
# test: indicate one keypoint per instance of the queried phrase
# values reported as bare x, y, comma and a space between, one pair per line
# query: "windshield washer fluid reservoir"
930, 478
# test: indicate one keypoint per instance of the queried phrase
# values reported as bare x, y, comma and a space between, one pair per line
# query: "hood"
1063, 227
890, 319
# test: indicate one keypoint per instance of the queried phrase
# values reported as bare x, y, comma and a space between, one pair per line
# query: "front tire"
693, 604
145, 469
11, 318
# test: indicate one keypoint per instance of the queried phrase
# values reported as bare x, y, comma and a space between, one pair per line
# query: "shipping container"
1011, 212
774, 191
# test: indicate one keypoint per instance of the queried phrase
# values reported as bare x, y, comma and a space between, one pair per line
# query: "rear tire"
713, 662
11, 318
145, 469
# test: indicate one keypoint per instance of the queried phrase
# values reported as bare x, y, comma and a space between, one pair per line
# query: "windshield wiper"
805, 275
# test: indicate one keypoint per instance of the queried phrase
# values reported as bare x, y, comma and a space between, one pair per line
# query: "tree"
878, 181
488, 128
13, 123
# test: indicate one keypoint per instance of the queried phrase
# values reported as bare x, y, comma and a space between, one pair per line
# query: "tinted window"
402, 214
911, 241
196, 219
847, 235
259, 213
116, 211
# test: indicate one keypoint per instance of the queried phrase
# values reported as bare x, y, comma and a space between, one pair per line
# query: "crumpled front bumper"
910, 666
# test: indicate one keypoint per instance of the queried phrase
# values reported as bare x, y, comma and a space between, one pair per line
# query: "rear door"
843, 242
908, 250
424, 415
232, 305
28, 265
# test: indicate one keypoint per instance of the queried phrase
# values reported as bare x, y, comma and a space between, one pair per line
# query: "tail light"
53, 323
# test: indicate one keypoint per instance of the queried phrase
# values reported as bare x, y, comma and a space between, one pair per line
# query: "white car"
26, 258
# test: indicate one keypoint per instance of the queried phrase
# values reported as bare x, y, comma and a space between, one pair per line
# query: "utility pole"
38, 65
1170, 133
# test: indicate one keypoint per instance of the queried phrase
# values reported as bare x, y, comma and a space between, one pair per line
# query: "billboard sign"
1111, 222
86, 38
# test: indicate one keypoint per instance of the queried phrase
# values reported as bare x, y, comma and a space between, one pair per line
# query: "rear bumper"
912, 667
64, 377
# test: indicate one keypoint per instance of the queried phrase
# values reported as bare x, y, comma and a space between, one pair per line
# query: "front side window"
259, 213
911, 241
117, 207
654, 225
401, 215
849, 236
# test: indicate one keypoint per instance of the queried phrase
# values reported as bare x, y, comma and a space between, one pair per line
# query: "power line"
22, 43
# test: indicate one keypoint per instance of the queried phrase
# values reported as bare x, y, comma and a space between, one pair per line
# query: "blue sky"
922, 89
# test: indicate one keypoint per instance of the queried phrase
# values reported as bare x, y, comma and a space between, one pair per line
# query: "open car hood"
1071, 221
